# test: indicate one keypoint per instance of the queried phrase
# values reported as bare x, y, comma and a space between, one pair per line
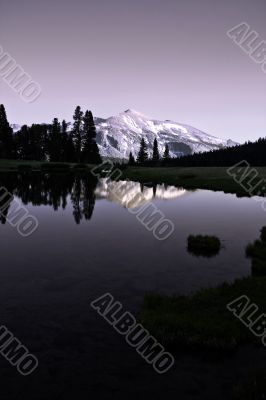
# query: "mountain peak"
130, 111
134, 113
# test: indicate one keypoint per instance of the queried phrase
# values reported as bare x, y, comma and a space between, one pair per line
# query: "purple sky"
168, 59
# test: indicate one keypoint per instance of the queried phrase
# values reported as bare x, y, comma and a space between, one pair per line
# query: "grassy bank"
25, 165
12, 165
212, 178
203, 320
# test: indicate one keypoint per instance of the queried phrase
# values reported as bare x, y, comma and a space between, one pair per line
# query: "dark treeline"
46, 189
253, 152
143, 158
51, 142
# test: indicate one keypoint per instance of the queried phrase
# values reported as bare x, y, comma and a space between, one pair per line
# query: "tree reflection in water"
53, 190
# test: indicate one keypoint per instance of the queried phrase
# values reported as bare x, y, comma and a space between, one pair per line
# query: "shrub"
263, 234
201, 245
257, 252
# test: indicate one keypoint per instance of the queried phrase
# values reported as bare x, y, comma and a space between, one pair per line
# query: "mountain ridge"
118, 135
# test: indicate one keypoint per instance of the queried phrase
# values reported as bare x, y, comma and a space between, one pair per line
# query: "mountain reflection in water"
133, 194
81, 191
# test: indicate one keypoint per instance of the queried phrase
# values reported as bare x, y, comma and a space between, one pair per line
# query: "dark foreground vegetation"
202, 320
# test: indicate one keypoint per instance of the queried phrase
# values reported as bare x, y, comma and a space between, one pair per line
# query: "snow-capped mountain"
118, 135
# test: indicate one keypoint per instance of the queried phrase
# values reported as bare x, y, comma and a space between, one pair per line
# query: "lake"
88, 243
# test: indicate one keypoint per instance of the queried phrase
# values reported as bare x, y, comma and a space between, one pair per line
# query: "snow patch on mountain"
118, 135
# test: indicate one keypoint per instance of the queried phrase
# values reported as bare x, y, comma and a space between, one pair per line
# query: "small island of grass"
201, 245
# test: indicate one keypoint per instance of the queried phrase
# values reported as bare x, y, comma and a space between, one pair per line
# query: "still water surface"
86, 232
87, 244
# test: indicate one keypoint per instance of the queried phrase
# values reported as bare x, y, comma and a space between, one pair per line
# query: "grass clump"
202, 320
263, 234
200, 245
257, 252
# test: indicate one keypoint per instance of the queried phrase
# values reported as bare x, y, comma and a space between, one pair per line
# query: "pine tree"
37, 142
155, 154
77, 132
143, 154
54, 147
96, 157
166, 155
64, 141
22, 143
67, 144
87, 137
90, 150
131, 160
6, 135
